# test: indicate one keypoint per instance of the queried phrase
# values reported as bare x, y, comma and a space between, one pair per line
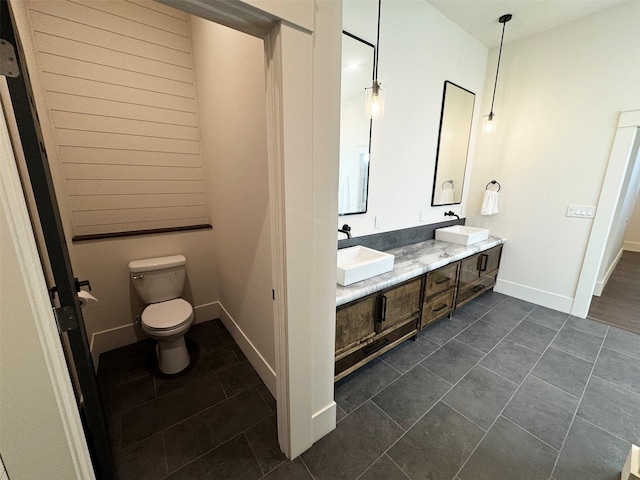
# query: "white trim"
600, 284
534, 295
631, 246
275, 140
13, 202
324, 420
267, 374
610, 194
206, 312
112, 338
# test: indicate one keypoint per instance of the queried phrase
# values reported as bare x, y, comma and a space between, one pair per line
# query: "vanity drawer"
475, 289
437, 307
441, 280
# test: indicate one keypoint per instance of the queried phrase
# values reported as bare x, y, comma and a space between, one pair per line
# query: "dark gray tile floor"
214, 420
503, 390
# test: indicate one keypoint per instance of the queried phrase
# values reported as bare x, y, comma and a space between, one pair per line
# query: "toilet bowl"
167, 317
167, 322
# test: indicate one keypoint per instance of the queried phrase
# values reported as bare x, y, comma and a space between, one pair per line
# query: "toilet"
167, 317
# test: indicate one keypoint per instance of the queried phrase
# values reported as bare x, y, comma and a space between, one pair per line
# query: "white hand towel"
446, 197
490, 203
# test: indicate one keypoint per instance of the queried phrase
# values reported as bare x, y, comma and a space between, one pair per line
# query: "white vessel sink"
462, 235
359, 263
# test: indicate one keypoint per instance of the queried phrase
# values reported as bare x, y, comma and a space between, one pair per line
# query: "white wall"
559, 97
419, 49
230, 82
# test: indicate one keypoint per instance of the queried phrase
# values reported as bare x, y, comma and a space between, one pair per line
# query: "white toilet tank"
158, 279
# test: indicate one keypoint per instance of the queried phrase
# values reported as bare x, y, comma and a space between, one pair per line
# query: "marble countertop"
410, 262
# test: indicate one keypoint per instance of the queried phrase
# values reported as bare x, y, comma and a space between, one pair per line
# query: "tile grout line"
552, 385
511, 398
616, 385
575, 413
532, 434
164, 455
605, 431
463, 416
306, 466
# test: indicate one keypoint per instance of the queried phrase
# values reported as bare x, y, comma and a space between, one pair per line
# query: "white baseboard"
631, 246
323, 421
600, 284
114, 338
206, 312
267, 374
124, 335
539, 297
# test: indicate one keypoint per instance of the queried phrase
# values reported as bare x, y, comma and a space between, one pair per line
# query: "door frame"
619, 162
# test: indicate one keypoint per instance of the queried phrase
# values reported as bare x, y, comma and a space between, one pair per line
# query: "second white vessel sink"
359, 263
462, 235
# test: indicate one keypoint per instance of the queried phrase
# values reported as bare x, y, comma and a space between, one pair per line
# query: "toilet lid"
169, 314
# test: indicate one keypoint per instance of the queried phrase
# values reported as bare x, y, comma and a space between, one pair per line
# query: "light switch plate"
581, 211
376, 222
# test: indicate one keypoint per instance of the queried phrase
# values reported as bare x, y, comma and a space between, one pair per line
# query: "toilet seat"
167, 315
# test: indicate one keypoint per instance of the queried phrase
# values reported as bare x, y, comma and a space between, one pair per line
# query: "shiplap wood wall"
119, 85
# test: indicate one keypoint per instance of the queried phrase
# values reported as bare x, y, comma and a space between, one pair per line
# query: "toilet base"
173, 356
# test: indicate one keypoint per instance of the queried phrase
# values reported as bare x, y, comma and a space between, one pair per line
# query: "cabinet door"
441, 280
355, 323
489, 260
469, 272
398, 303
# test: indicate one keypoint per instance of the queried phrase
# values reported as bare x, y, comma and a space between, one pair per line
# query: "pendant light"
489, 125
374, 101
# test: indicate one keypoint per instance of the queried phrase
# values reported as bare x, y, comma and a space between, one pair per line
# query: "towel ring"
448, 181
493, 182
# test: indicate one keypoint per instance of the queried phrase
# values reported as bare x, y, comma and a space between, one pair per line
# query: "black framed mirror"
453, 144
355, 128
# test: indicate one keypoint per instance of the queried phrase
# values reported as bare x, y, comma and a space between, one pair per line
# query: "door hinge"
65, 318
8, 62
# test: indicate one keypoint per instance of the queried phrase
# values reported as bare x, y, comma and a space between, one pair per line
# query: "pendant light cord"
375, 66
504, 19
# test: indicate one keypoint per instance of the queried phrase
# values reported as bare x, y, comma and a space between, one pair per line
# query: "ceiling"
480, 17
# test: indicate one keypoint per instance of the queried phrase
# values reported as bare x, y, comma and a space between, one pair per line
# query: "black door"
68, 313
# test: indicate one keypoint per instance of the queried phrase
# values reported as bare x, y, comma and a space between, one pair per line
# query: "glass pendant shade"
489, 123
374, 101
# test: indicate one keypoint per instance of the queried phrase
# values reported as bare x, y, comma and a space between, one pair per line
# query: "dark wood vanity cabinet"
439, 293
478, 274
368, 327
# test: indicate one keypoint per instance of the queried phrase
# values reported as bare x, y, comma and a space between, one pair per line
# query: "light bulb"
374, 107
489, 124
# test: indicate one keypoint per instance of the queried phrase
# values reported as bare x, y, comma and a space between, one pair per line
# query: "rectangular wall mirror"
355, 129
453, 144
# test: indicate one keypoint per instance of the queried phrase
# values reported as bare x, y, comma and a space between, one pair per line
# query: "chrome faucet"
451, 214
345, 229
